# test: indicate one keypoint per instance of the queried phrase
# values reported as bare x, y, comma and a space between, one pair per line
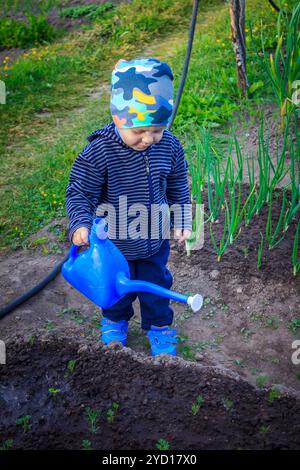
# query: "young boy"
135, 162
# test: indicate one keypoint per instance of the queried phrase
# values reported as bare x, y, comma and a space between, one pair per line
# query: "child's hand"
182, 234
80, 236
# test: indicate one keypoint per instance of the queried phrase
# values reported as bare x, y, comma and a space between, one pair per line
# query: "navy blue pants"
155, 310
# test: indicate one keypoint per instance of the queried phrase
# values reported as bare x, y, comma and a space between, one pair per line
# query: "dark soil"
155, 401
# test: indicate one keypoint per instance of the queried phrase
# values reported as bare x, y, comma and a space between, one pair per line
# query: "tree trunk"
237, 23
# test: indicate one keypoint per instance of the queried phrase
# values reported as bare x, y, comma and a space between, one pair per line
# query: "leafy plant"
262, 380
274, 394
15, 33
86, 445
71, 365
7, 444
295, 325
54, 391
264, 429
197, 405
112, 412
91, 11
24, 421
162, 444
283, 67
228, 404
93, 417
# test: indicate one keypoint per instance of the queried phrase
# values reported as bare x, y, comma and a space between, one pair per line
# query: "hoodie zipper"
146, 160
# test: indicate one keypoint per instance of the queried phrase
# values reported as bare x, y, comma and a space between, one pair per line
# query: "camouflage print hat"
141, 93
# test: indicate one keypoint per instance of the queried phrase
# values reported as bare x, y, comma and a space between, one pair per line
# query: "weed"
93, 417
162, 444
274, 394
294, 325
31, 340
238, 362
228, 404
54, 391
24, 421
50, 326
71, 365
262, 380
186, 351
112, 412
246, 333
264, 429
86, 445
7, 444
197, 405
275, 360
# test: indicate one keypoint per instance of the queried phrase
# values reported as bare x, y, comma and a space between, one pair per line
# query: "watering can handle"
73, 252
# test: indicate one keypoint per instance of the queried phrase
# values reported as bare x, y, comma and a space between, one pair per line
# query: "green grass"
37, 152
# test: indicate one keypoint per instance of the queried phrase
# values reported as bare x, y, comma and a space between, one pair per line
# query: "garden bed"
152, 399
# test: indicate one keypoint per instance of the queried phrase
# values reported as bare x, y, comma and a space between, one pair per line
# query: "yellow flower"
7, 57
218, 40
6, 67
54, 202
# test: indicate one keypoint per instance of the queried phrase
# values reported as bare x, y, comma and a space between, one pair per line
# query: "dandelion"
6, 67
54, 202
7, 58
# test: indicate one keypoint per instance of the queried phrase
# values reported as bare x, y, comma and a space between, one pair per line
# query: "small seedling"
274, 394
86, 445
112, 412
295, 325
197, 405
186, 351
238, 362
7, 444
261, 380
31, 340
71, 365
93, 416
275, 360
162, 444
53, 391
50, 326
228, 404
264, 429
25, 422
246, 333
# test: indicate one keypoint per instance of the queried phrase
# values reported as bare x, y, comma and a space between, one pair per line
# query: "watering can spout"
102, 274
125, 285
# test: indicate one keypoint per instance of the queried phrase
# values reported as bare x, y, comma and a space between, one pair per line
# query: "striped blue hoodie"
108, 173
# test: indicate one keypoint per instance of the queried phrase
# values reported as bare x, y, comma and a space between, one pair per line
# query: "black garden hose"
43, 283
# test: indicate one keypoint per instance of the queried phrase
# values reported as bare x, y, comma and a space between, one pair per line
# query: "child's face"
139, 138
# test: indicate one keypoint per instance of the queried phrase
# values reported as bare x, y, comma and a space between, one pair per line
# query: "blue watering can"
102, 274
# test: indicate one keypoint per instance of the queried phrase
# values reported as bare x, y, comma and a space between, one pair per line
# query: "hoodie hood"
108, 132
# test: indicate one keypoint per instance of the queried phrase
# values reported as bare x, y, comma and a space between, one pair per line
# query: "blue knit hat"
141, 93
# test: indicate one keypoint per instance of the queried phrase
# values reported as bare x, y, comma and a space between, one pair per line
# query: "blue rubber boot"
114, 331
162, 340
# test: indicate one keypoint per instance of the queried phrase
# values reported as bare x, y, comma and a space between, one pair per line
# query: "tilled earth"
154, 399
